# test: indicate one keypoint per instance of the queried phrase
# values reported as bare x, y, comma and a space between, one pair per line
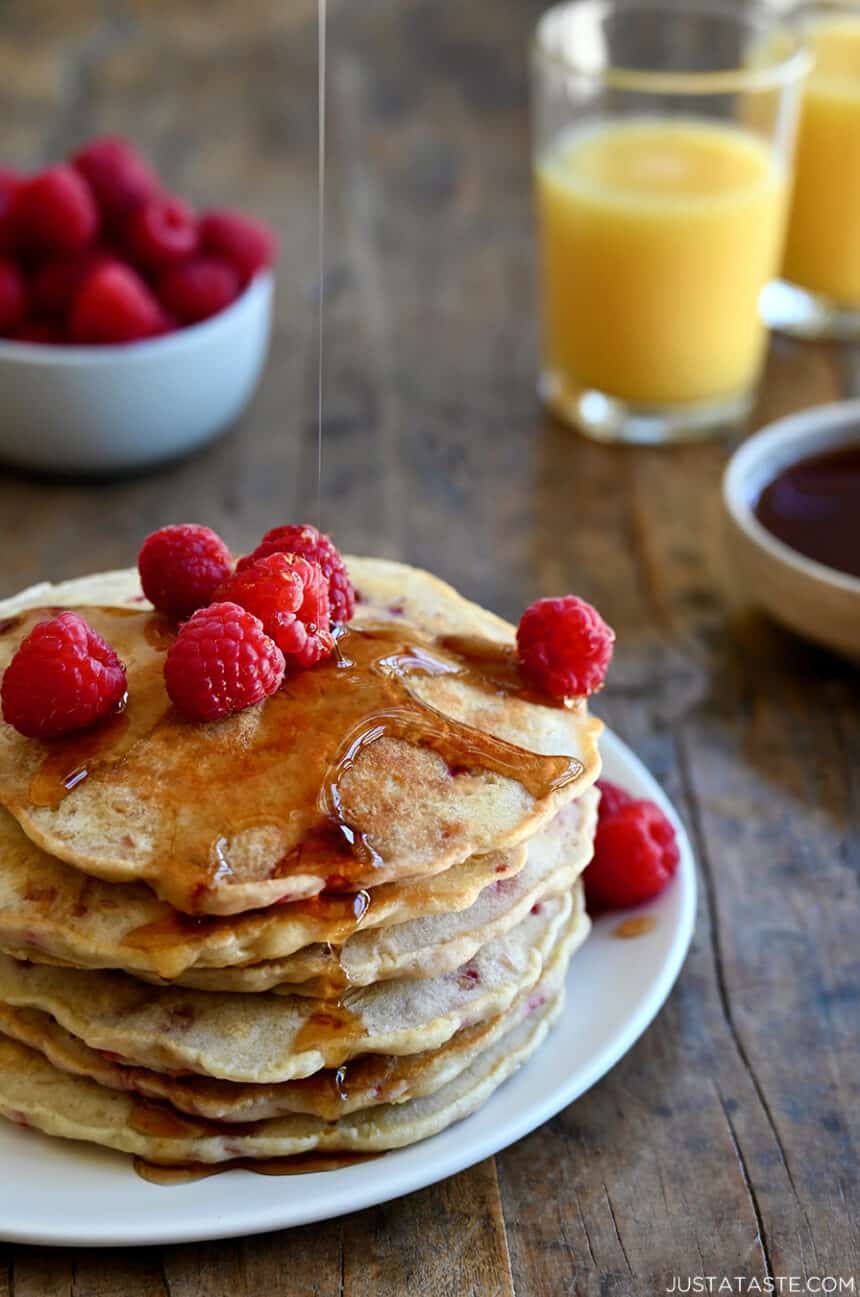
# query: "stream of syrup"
321, 176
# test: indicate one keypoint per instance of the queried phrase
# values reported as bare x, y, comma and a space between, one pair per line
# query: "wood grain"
727, 1141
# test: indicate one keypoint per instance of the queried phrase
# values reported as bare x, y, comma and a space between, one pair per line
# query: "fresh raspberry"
13, 296
612, 798
290, 596
161, 231
198, 288
181, 567
56, 282
309, 639
565, 646
10, 182
48, 331
221, 662
63, 677
55, 211
247, 245
319, 548
117, 175
635, 856
269, 587
114, 305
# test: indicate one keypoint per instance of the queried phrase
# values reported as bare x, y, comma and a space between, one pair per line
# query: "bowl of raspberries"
132, 328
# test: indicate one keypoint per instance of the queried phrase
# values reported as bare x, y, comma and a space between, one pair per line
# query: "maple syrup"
330, 984
61, 772
338, 916
163, 1122
636, 926
298, 1164
321, 176
173, 928
371, 1078
814, 507
280, 769
332, 1024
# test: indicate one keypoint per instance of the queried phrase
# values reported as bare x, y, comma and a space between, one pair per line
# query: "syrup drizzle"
159, 1121
638, 925
57, 775
338, 917
333, 1023
321, 170
163, 1122
332, 981
298, 1164
290, 770
172, 1105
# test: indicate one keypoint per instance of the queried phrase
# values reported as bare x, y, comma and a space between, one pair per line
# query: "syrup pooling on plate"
638, 925
231, 776
298, 1164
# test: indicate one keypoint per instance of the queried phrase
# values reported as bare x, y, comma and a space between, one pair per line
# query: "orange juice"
823, 245
657, 235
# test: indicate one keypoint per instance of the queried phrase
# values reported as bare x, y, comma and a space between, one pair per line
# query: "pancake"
34, 1093
439, 943
270, 1038
367, 1081
414, 748
51, 912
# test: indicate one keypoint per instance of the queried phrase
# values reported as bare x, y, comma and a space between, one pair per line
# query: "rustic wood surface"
726, 1142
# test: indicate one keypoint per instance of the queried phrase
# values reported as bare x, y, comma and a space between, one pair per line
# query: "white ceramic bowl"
101, 410
814, 600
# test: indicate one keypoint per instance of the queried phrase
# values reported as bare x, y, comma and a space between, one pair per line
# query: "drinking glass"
819, 293
662, 144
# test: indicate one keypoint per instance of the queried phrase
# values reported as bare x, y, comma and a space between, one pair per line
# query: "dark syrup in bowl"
813, 506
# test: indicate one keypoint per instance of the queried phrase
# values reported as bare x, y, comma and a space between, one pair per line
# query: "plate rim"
369, 1192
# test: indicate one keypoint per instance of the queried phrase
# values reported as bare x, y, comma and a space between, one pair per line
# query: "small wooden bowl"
816, 601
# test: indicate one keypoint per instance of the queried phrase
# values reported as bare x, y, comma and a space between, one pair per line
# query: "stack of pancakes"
335, 922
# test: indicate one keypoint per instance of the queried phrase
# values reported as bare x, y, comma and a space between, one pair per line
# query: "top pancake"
351, 776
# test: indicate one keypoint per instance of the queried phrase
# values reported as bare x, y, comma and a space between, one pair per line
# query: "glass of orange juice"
663, 140
819, 294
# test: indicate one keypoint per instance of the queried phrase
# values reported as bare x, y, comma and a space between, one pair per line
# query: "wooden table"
726, 1143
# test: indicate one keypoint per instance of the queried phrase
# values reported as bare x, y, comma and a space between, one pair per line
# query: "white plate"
59, 1193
